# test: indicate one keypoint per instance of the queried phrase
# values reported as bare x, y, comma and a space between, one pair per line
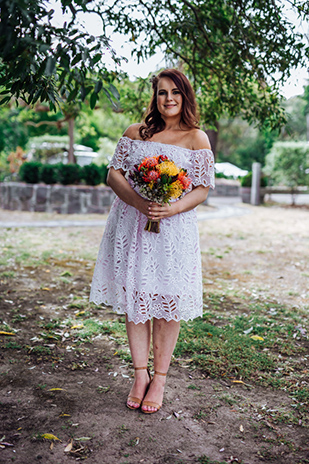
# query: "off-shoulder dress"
144, 274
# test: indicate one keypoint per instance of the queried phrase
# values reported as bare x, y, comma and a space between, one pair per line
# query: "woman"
151, 276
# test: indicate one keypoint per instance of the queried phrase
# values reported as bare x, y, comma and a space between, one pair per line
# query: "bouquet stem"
153, 226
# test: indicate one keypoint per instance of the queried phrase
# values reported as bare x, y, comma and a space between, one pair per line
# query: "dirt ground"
264, 254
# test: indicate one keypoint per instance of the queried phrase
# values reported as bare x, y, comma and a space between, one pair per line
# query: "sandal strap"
140, 368
160, 373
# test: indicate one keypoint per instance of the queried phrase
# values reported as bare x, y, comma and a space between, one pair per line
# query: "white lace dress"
144, 274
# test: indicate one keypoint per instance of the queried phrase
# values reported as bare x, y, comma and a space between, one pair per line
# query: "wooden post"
255, 185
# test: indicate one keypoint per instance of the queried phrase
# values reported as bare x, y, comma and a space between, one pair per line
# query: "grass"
221, 344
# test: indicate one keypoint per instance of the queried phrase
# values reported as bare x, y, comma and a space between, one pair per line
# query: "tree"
43, 62
231, 48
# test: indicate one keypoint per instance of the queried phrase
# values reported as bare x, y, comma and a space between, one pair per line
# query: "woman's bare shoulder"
133, 132
199, 140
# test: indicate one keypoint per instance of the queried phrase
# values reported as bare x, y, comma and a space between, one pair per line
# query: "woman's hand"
157, 212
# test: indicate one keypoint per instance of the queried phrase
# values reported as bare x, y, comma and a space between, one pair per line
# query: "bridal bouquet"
159, 180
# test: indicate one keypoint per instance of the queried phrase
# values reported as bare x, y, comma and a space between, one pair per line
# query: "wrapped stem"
153, 226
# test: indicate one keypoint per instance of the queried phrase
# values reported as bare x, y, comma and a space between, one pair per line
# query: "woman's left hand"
157, 212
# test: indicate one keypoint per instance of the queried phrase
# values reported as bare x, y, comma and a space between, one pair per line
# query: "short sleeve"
202, 168
120, 159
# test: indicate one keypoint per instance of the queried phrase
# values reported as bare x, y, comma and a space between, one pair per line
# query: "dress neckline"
166, 144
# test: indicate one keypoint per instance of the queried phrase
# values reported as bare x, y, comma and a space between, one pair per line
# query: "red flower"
148, 163
151, 176
162, 158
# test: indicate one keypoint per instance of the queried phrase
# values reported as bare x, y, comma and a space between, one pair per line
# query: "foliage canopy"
43, 62
231, 48
234, 51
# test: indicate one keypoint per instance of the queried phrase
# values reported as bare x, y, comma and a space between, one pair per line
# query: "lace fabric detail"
199, 163
148, 275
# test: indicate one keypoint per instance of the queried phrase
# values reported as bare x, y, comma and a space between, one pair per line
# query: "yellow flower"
175, 189
168, 167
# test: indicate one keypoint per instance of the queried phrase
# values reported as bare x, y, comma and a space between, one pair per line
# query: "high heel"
151, 403
135, 399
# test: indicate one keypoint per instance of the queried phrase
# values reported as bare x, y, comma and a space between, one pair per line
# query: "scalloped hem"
145, 318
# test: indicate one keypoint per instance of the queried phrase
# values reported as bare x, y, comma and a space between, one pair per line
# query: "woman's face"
169, 98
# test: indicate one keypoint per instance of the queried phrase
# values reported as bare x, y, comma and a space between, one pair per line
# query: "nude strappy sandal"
151, 403
133, 398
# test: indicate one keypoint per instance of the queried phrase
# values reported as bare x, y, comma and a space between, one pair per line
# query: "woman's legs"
139, 336
165, 336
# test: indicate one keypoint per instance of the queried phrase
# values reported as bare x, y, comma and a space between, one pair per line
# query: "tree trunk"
213, 137
71, 157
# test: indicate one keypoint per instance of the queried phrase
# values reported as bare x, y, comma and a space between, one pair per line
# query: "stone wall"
225, 188
61, 199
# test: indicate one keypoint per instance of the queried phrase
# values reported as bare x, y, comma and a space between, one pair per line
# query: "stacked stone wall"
73, 199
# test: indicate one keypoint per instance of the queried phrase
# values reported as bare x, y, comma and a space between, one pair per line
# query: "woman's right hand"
125, 192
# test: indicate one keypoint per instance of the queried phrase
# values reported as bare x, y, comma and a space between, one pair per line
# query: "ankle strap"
140, 368
160, 373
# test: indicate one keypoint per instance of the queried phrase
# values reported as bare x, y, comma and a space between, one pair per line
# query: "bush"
246, 181
30, 172
288, 163
104, 172
69, 173
92, 174
65, 174
49, 173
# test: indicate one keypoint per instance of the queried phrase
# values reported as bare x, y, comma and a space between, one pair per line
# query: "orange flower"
184, 179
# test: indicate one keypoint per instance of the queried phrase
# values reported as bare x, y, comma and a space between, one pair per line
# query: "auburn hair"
153, 122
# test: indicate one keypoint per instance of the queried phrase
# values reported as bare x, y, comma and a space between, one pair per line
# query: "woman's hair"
153, 121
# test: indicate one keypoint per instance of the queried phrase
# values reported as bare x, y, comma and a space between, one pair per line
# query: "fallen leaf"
64, 415
246, 332
83, 438
238, 381
56, 389
69, 447
6, 333
46, 289
241, 428
257, 337
78, 326
80, 313
51, 445
49, 436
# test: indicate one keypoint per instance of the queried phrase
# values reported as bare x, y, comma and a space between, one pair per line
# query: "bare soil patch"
54, 382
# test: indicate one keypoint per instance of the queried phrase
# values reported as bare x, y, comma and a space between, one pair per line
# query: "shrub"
246, 181
49, 173
30, 172
92, 174
69, 173
288, 163
104, 172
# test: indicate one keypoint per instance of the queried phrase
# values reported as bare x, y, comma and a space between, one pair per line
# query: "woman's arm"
197, 196
124, 191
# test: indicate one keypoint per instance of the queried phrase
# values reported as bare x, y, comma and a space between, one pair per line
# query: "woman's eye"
176, 92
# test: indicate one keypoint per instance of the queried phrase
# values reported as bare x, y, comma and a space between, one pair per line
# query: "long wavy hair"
153, 122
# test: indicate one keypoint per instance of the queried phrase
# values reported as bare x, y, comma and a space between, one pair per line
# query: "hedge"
246, 181
33, 172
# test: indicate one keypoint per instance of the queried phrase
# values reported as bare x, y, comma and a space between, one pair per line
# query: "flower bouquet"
159, 180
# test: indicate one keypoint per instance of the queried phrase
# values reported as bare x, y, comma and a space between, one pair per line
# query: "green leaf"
93, 100
114, 91
5, 100
77, 58
50, 66
98, 86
